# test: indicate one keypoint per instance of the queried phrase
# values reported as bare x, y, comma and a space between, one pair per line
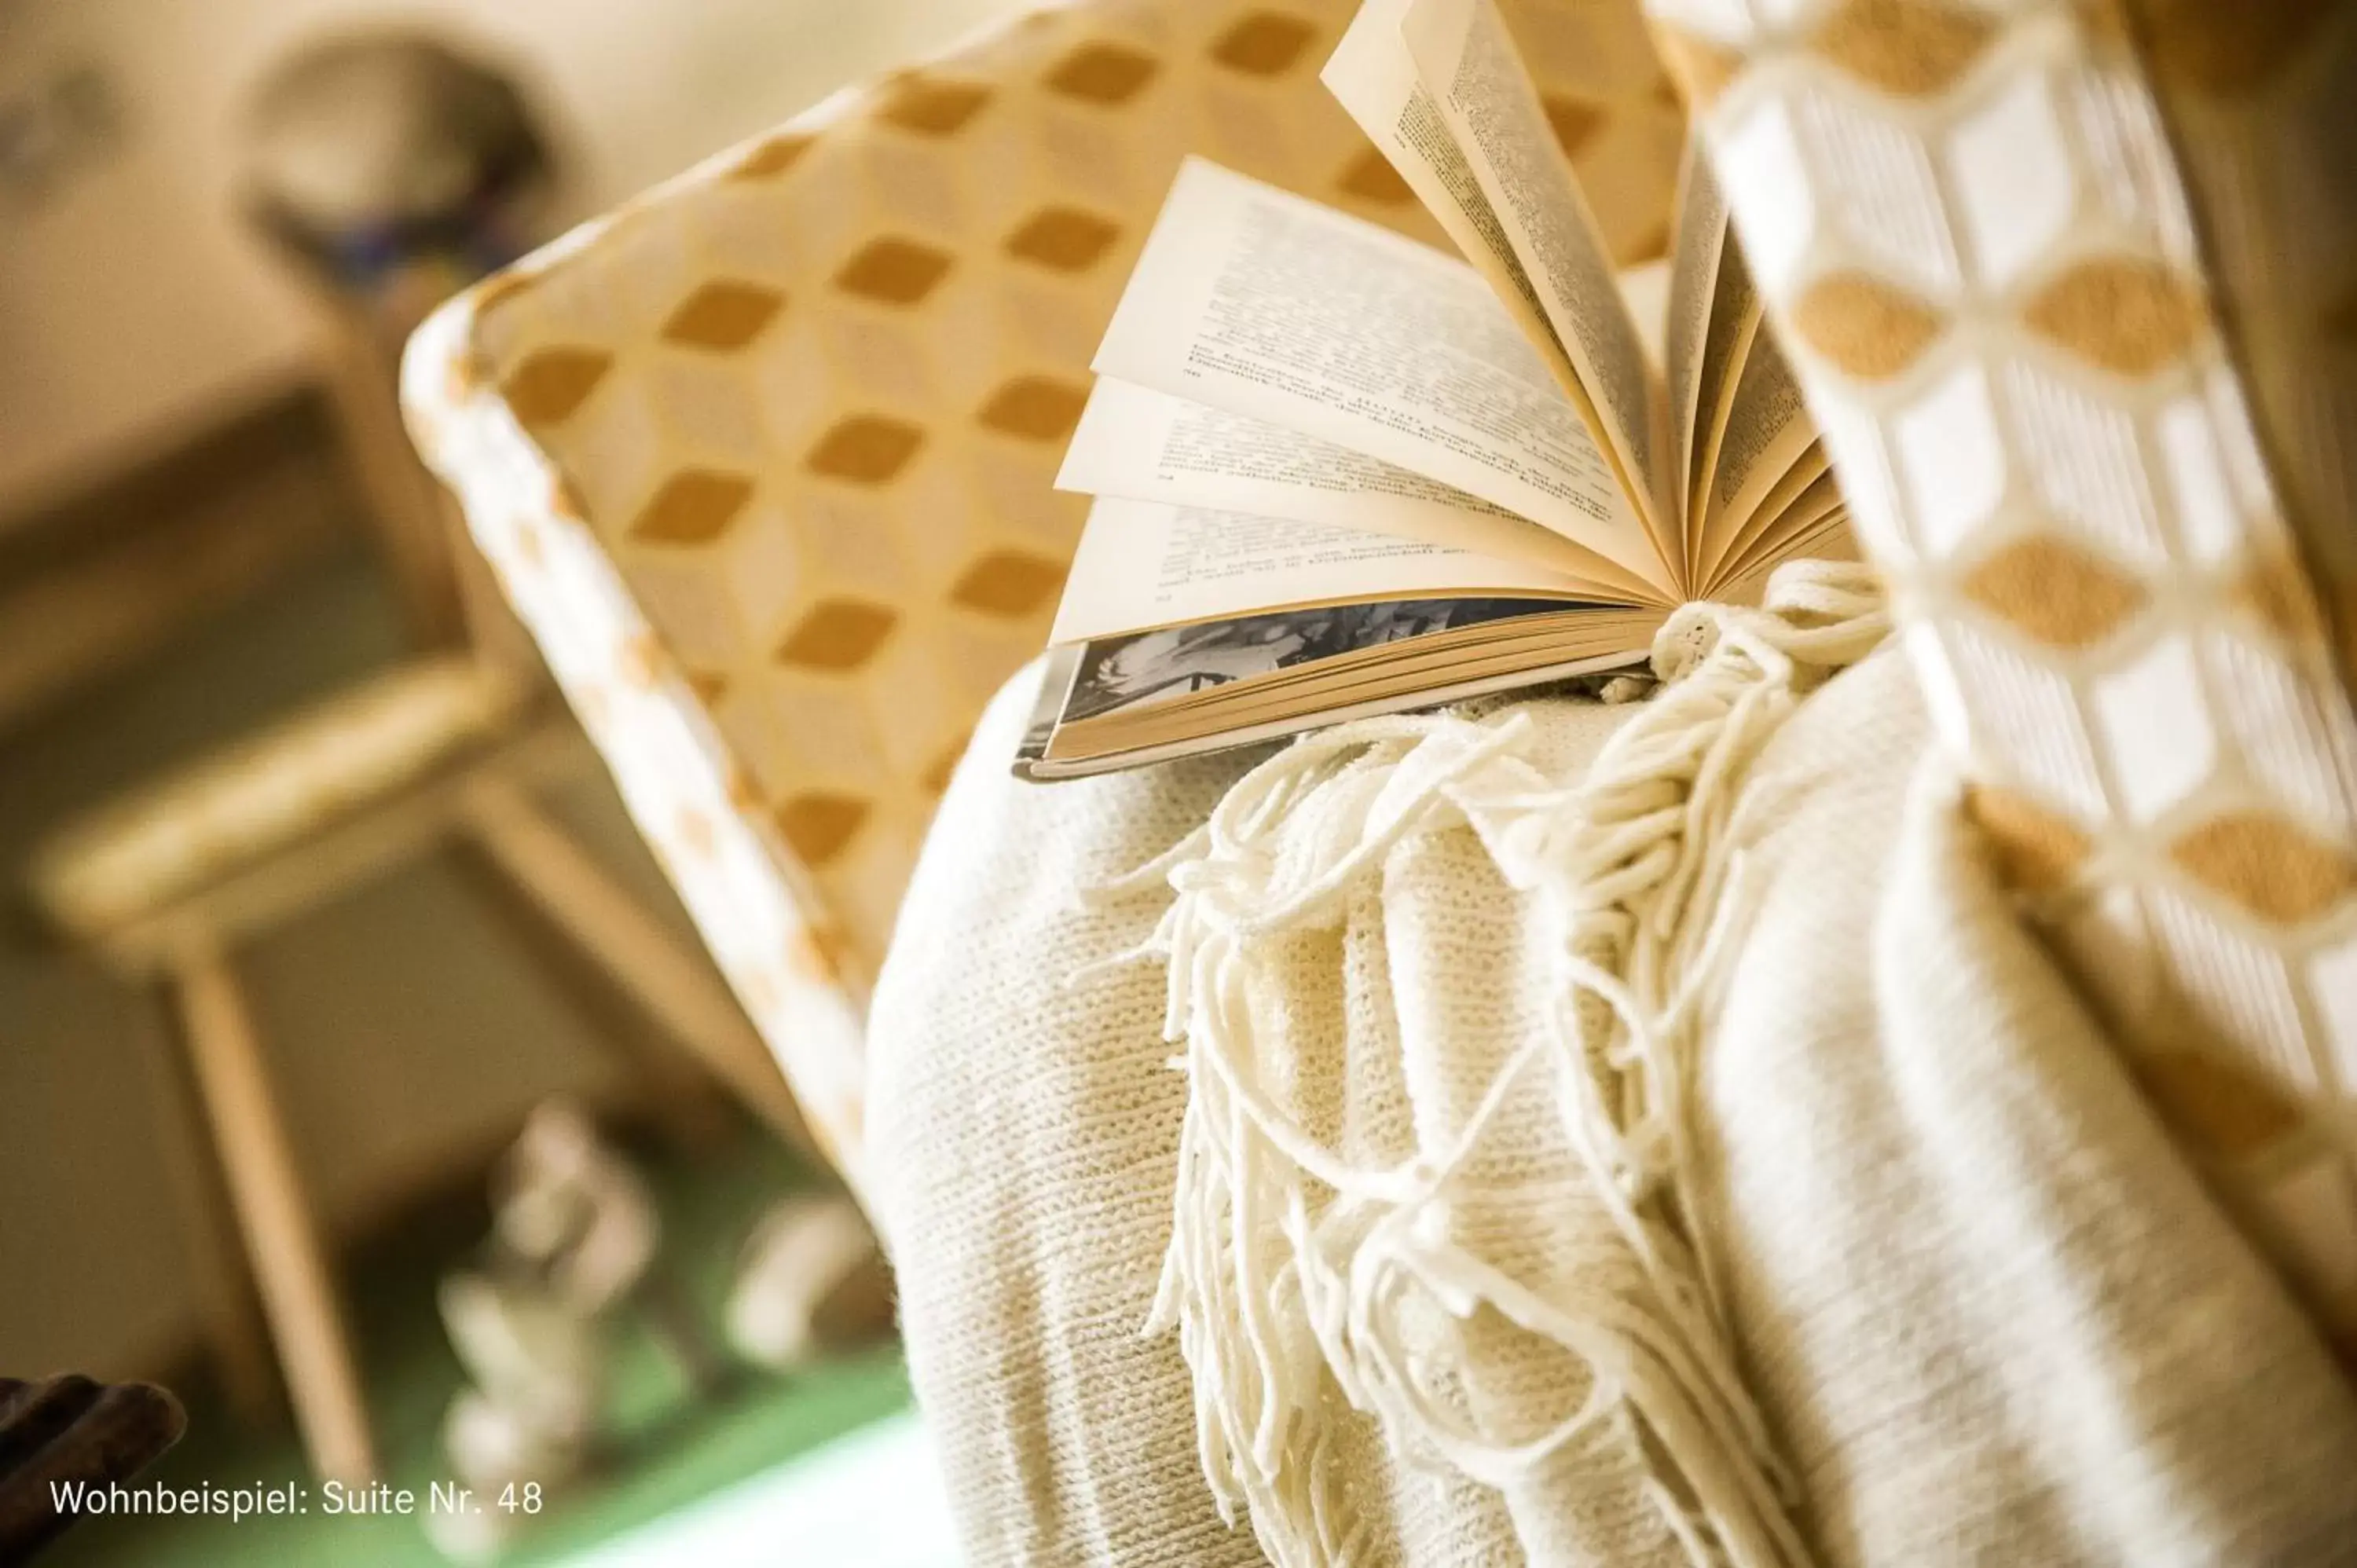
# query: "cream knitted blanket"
1599, 1135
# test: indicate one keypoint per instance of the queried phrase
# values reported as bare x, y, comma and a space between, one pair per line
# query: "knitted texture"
1531, 1226
1948, 1292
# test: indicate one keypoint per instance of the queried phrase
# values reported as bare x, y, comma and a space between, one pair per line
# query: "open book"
1339, 473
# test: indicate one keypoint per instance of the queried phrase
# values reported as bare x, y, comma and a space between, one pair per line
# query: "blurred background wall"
409, 1027
130, 304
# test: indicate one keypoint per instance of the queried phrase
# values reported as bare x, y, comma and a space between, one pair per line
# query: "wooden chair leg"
403, 500
232, 1325
289, 1266
669, 981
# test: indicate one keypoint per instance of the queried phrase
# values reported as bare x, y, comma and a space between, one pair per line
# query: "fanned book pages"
1339, 473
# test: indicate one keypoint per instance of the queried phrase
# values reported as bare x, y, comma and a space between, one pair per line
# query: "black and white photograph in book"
1148, 667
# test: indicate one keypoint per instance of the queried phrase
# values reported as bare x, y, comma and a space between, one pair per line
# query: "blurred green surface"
669, 1448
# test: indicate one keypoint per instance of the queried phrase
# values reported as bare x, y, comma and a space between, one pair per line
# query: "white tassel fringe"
1637, 868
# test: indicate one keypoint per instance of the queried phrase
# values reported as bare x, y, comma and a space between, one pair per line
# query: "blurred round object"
377, 155
565, 1201
812, 1280
464, 1535
529, 1353
491, 1445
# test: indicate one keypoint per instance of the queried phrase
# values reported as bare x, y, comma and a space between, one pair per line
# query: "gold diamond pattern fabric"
764, 459
1980, 251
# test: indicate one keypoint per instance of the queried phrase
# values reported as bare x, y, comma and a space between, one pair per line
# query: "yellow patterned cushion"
764, 460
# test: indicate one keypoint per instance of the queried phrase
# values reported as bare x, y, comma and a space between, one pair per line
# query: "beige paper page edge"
1700, 226
1159, 313
1372, 75
1581, 300
1120, 580
1116, 451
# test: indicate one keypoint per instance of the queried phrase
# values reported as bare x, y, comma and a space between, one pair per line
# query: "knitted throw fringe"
1636, 870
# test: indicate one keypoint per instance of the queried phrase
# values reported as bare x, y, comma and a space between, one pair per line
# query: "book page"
1765, 431
1827, 536
1142, 566
1772, 509
1733, 316
1700, 227
1815, 524
1374, 78
1140, 444
1254, 301
1645, 290
1468, 63
1804, 517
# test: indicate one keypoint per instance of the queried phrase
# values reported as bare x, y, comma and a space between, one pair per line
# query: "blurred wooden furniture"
446, 747
389, 167
165, 883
